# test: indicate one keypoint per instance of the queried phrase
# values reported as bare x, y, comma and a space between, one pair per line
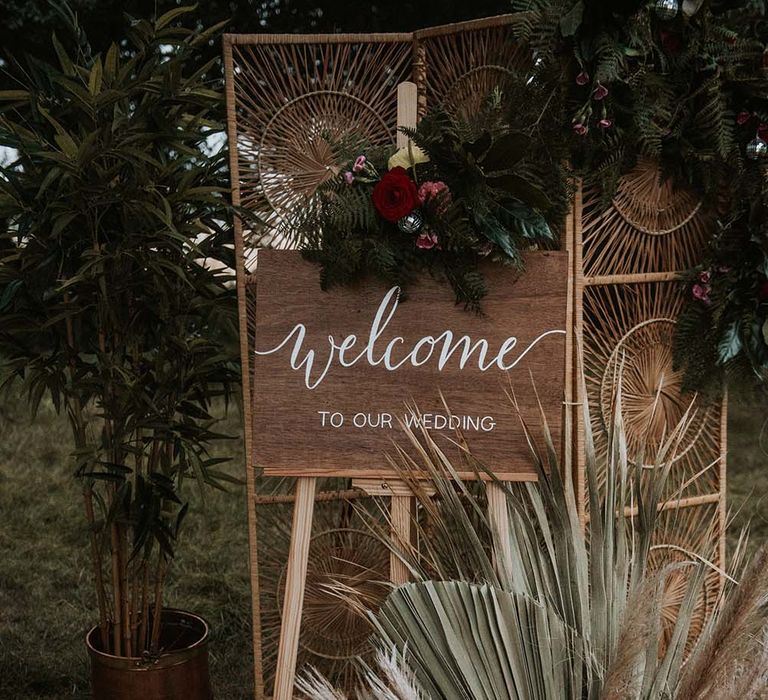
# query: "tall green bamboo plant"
115, 300
558, 612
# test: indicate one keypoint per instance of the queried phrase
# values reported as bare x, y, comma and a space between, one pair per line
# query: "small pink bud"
701, 292
435, 192
582, 78
426, 241
600, 92
705, 277
580, 129
605, 123
743, 117
359, 164
349, 177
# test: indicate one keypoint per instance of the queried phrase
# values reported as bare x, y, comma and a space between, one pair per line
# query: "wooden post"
498, 517
241, 275
295, 581
400, 506
406, 110
400, 514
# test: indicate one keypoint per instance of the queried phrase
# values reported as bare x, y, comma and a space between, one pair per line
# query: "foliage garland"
685, 83
465, 189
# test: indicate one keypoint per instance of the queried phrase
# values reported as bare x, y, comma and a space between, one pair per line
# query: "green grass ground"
747, 471
46, 592
46, 598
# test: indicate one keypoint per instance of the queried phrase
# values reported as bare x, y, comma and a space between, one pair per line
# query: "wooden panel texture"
313, 415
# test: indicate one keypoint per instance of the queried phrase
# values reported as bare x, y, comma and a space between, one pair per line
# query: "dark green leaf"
505, 152
730, 344
571, 20
521, 189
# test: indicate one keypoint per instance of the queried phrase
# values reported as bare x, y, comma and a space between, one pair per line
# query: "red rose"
395, 195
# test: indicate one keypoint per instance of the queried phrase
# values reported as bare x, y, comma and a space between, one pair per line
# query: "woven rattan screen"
286, 96
629, 253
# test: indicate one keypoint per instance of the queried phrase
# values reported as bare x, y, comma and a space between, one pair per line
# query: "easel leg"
498, 516
400, 513
295, 580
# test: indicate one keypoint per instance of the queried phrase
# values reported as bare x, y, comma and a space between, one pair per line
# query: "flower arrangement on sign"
458, 193
723, 329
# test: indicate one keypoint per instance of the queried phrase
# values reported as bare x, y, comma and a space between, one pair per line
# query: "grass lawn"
747, 471
46, 596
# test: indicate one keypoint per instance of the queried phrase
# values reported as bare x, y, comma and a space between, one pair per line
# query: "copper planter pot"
180, 673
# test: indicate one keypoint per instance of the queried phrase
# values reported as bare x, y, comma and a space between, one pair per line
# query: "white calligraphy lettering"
419, 354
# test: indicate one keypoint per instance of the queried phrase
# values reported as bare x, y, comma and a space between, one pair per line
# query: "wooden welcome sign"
337, 373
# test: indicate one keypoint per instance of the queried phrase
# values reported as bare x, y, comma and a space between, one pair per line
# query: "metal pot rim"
164, 660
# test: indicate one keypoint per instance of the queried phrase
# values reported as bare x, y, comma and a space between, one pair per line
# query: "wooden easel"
401, 504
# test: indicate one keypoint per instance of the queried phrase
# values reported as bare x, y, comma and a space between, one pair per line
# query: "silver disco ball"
757, 149
411, 223
667, 9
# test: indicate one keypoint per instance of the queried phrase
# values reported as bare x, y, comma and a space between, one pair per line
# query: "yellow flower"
408, 157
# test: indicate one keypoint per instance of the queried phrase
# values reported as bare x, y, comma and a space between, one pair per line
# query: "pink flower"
349, 177
359, 164
426, 241
435, 192
743, 117
580, 129
705, 277
701, 292
600, 92
582, 78
605, 123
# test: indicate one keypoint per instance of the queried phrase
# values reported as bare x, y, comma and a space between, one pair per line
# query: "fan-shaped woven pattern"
628, 337
649, 226
295, 103
686, 537
347, 573
465, 63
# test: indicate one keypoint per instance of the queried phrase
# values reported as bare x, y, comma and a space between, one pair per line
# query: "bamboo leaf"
14, 95
110, 62
164, 20
66, 63
96, 77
